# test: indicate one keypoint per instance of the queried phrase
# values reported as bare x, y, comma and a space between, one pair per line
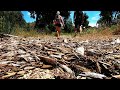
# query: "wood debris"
36, 58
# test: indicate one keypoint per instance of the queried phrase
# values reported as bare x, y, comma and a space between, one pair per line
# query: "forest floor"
46, 57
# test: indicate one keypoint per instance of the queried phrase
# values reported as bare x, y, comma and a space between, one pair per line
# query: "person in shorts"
58, 22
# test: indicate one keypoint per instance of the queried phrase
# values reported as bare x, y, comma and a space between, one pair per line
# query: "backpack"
57, 19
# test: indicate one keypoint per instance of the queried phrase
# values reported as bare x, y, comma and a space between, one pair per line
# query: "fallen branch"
67, 69
104, 63
61, 49
9, 75
93, 75
98, 67
56, 56
79, 69
48, 60
116, 76
93, 53
35, 56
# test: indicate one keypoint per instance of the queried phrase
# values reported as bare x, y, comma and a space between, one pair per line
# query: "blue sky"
93, 16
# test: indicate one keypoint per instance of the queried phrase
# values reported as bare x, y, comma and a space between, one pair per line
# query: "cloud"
92, 24
28, 13
96, 17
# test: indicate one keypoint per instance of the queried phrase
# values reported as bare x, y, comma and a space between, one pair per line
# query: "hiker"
58, 22
78, 21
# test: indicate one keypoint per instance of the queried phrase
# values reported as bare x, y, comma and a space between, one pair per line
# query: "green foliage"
47, 30
89, 31
109, 18
115, 29
51, 27
9, 20
29, 26
85, 20
2, 23
68, 26
25, 33
83, 17
47, 17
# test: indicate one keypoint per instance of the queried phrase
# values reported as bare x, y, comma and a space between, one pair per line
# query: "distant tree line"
45, 18
9, 20
108, 18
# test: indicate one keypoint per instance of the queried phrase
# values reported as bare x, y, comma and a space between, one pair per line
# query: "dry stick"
9, 75
54, 62
93, 75
74, 52
67, 69
104, 63
98, 67
49, 60
36, 57
116, 76
28, 51
56, 56
80, 68
93, 53
61, 50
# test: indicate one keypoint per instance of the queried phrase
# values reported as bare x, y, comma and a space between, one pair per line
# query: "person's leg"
56, 27
75, 29
80, 29
58, 31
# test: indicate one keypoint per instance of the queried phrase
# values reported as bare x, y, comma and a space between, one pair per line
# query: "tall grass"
102, 31
116, 30
99, 33
23, 32
87, 33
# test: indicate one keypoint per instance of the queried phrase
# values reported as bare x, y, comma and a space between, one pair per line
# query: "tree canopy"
47, 17
10, 19
85, 20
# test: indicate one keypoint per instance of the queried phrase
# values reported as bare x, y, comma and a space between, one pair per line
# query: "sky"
93, 17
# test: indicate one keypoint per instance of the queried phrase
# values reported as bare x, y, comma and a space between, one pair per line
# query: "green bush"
51, 27
68, 26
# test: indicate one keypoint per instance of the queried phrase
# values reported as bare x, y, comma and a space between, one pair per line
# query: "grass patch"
90, 33
31, 33
116, 30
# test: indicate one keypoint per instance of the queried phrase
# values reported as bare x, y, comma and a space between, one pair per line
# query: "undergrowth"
90, 32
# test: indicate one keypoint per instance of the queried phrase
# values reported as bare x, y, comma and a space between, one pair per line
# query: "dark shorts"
59, 25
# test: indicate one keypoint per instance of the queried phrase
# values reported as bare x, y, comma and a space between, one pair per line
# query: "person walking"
78, 21
58, 22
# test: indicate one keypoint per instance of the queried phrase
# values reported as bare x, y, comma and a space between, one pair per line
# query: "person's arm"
62, 20
53, 21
